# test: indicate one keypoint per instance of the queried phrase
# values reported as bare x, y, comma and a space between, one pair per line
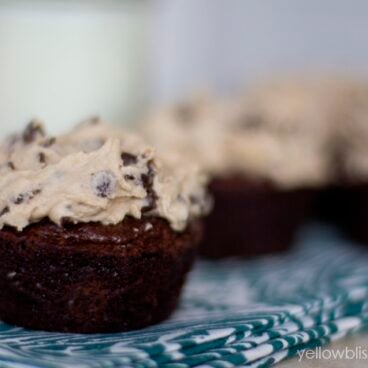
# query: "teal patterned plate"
233, 313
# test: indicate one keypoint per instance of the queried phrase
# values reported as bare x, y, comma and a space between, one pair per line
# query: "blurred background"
63, 61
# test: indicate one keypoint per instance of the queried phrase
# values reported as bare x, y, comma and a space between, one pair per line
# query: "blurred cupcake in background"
266, 154
350, 198
352, 132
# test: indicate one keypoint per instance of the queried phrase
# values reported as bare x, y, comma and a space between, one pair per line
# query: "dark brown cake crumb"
91, 278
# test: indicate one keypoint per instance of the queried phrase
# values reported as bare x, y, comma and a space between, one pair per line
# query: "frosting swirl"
276, 131
352, 130
95, 173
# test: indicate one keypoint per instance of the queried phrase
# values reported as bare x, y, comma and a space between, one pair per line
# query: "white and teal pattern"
233, 313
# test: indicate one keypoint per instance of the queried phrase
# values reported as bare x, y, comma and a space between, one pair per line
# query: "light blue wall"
226, 42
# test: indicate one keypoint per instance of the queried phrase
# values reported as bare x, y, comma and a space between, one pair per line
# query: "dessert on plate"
97, 231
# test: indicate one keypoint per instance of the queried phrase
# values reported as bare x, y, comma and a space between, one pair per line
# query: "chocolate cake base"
351, 207
252, 218
90, 278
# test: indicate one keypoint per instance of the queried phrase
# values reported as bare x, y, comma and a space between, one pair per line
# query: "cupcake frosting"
352, 130
278, 131
96, 173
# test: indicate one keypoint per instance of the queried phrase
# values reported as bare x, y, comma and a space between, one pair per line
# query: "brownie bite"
252, 217
267, 154
349, 198
97, 232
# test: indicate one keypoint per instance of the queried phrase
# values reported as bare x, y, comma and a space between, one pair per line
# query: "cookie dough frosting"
352, 130
278, 131
95, 173
192, 130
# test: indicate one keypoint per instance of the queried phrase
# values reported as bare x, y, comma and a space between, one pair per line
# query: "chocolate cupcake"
267, 156
97, 232
349, 198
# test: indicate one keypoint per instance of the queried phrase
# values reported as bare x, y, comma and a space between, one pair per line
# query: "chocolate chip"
32, 130
42, 158
104, 183
65, 221
94, 120
185, 113
11, 165
129, 177
4, 211
128, 159
48, 142
148, 180
254, 121
19, 199
25, 197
